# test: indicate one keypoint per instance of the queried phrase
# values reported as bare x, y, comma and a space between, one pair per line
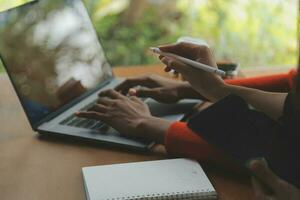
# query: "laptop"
57, 66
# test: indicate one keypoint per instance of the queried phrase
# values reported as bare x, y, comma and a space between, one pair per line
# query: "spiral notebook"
163, 179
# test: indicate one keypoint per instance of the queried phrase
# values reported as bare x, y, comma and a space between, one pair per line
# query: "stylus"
189, 62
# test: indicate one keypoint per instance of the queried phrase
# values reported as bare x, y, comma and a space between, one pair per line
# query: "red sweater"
181, 141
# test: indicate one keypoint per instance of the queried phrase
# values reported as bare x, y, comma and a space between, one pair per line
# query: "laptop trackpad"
172, 112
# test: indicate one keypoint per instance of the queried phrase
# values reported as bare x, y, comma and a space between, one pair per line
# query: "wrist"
220, 91
154, 128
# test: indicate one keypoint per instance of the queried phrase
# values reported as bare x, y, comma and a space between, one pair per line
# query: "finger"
176, 65
172, 48
182, 48
105, 101
263, 173
146, 92
91, 115
167, 69
133, 82
258, 190
99, 108
135, 99
129, 83
113, 94
132, 92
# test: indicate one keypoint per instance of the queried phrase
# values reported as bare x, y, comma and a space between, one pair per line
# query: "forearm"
281, 82
154, 128
185, 91
271, 103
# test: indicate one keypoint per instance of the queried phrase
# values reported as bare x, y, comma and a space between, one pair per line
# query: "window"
250, 32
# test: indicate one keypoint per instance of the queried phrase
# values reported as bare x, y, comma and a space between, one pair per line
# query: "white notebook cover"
166, 179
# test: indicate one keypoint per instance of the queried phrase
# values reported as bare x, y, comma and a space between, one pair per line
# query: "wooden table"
42, 168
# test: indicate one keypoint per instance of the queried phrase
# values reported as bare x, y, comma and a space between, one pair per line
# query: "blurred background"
253, 33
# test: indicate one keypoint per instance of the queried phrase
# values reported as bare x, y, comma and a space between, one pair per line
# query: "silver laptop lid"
52, 54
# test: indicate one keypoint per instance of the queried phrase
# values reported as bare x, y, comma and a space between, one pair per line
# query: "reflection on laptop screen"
52, 54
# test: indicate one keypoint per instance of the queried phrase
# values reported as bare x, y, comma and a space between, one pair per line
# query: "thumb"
259, 191
263, 173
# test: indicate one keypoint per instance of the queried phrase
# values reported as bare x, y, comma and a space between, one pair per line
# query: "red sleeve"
181, 141
283, 82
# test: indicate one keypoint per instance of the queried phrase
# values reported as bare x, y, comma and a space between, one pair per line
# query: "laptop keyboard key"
90, 124
97, 126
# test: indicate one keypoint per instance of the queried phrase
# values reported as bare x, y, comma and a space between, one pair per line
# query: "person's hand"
161, 89
207, 84
130, 116
281, 190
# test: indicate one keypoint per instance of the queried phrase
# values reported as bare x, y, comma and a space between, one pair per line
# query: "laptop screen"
52, 54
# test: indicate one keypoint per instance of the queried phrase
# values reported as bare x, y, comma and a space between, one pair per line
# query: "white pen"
189, 62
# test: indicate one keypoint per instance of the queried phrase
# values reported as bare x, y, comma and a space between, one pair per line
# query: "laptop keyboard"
78, 122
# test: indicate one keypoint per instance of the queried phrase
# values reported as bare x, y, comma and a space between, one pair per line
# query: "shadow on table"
156, 150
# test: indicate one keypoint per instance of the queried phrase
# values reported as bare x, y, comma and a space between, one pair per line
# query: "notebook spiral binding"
188, 195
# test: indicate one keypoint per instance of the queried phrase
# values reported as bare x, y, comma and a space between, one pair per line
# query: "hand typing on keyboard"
128, 115
159, 88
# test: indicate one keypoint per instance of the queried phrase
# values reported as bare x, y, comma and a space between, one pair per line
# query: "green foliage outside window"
251, 32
